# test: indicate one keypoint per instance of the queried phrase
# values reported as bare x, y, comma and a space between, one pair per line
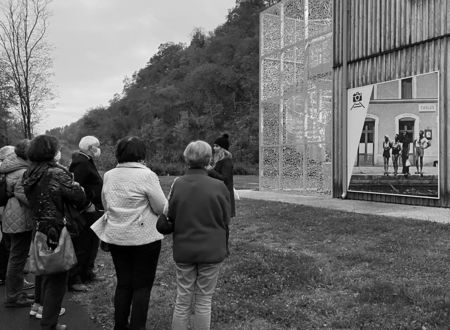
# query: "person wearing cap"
86, 243
5, 241
222, 166
387, 145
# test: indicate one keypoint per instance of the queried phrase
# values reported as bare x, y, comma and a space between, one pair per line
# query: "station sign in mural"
392, 136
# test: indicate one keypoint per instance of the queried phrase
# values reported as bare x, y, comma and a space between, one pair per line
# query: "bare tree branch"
23, 47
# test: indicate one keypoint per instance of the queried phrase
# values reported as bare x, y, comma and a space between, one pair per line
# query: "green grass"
298, 267
240, 182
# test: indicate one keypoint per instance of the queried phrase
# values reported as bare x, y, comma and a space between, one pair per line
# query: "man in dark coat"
86, 244
405, 140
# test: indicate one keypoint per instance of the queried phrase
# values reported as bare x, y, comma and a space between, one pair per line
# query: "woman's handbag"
104, 247
164, 225
45, 260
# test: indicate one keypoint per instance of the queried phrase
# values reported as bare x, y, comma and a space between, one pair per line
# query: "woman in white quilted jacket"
133, 199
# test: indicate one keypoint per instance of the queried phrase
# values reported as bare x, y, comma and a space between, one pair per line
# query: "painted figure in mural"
387, 145
405, 140
396, 149
420, 144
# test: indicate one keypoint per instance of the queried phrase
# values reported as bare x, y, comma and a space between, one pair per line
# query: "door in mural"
366, 145
407, 125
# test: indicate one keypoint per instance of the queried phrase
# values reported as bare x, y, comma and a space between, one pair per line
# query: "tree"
26, 55
190, 92
6, 101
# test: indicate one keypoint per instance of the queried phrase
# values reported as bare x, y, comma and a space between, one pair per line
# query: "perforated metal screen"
296, 96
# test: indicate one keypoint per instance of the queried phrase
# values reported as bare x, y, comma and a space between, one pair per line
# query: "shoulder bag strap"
171, 188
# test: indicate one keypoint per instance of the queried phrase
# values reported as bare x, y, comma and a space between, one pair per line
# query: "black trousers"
5, 246
86, 249
135, 269
38, 289
53, 289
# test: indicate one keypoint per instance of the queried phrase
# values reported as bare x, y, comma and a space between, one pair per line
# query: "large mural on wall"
393, 144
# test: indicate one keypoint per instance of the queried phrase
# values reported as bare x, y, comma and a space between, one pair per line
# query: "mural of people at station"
398, 149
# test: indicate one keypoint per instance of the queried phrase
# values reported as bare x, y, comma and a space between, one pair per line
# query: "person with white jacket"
132, 198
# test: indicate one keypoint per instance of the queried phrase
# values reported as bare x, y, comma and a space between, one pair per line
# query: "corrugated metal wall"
382, 40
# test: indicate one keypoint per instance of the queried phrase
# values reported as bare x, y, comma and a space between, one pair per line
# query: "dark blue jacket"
200, 207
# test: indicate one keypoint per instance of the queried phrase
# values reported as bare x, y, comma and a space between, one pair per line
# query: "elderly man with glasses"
86, 244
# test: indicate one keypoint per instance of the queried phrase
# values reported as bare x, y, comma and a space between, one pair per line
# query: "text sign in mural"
428, 107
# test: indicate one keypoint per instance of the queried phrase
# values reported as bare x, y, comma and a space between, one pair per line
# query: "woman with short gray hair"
200, 208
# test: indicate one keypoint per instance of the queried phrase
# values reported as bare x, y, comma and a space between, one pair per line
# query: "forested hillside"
187, 92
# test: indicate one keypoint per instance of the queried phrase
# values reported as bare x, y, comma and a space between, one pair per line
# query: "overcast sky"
97, 43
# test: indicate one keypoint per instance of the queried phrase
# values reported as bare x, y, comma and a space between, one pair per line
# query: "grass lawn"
298, 267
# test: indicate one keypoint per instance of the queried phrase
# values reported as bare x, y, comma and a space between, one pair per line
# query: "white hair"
87, 142
198, 153
5, 152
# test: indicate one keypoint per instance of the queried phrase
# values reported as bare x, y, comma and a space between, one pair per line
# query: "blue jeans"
18, 254
195, 282
86, 248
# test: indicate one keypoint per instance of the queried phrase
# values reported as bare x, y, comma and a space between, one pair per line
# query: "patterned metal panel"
296, 96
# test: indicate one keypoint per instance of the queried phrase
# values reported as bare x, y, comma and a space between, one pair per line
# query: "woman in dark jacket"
200, 208
47, 186
222, 167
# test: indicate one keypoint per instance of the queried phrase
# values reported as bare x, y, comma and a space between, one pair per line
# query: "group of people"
400, 149
121, 210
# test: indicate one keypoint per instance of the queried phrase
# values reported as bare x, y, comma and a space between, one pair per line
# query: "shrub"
245, 169
167, 168
107, 159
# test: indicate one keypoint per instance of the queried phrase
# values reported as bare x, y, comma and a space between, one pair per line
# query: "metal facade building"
296, 96
401, 43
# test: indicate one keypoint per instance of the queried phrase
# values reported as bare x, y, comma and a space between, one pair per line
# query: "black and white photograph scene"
396, 152
224, 164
